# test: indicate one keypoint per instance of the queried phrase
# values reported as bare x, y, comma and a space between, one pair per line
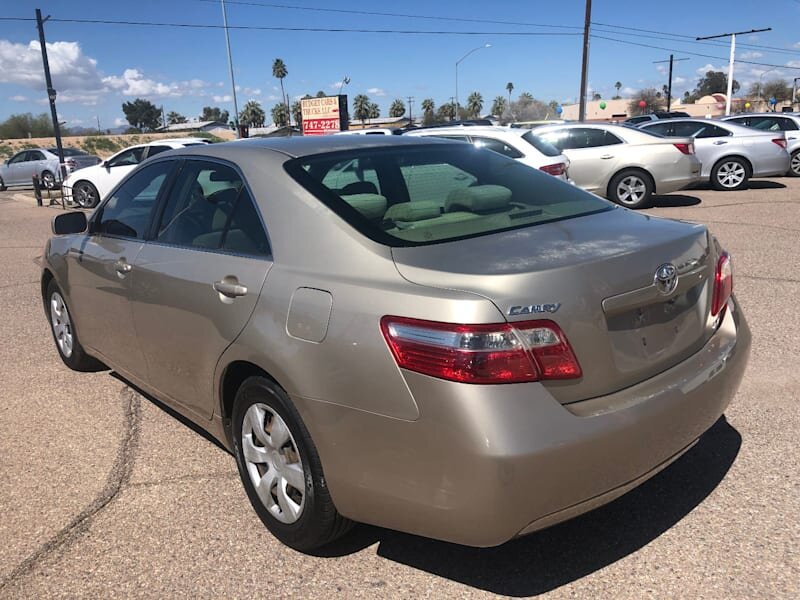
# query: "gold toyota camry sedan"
413, 333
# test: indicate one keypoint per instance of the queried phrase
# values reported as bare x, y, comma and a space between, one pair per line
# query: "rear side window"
355, 176
712, 131
540, 144
245, 234
497, 146
660, 128
35, 155
128, 211
153, 150
445, 192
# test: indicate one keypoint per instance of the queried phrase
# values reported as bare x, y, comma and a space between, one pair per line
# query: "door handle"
720, 142
231, 289
607, 156
122, 267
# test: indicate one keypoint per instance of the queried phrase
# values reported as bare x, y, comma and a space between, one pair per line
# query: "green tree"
252, 114
596, 96
26, 125
428, 107
374, 111
474, 104
280, 71
214, 113
297, 112
618, 87
509, 89
499, 106
397, 109
778, 89
142, 114
174, 118
280, 116
713, 82
652, 98
525, 98
361, 105
446, 112
321, 94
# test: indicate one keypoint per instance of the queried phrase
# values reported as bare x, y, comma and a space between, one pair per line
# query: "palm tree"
374, 111
252, 114
509, 89
617, 85
280, 71
499, 106
525, 98
280, 115
427, 106
361, 108
397, 109
475, 104
297, 112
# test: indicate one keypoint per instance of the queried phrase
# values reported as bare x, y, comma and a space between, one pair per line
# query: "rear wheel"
730, 174
631, 189
64, 334
280, 468
48, 180
2, 185
794, 165
85, 194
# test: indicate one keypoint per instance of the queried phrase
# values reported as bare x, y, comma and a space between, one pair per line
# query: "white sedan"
519, 144
89, 185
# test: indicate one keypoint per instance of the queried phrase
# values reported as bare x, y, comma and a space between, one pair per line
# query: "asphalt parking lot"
103, 493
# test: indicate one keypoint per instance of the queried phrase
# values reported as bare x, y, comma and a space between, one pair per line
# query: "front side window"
445, 192
558, 138
19, 158
773, 124
686, 129
128, 211
585, 137
131, 156
497, 146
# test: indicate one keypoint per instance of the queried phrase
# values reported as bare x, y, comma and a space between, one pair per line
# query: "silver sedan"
624, 164
731, 154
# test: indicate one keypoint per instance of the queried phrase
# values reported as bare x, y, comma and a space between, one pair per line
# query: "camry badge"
666, 279
533, 309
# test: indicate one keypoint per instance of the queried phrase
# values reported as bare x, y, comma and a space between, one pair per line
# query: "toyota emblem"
666, 279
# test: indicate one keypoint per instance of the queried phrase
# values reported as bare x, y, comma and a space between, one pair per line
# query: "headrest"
479, 198
413, 211
372, 206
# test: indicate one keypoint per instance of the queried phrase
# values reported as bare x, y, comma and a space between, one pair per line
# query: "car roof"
469, 130
300, 146
611, 126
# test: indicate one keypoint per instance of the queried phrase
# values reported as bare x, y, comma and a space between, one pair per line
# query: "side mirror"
106, 165
69, 223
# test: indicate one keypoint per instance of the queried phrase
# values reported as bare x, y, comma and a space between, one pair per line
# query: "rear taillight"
484, 354
557, 169
781, 142
685, 148
723, 284
70, 163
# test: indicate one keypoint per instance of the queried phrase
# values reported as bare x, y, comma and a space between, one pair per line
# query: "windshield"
407, 196
542, 146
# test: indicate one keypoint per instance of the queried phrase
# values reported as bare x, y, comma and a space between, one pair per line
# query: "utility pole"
585, 63
230, 67
98, 123
730, 62
794, 91
51, 94
410, 113
669, 85
163, 118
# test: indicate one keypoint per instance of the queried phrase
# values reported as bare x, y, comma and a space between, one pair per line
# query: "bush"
95, 143
6, 151
208, 136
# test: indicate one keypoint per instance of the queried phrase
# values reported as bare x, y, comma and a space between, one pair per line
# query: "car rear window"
68, 152
406, 196
541, 145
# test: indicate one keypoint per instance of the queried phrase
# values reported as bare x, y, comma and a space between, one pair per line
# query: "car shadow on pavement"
557, 556
674, 201
765, 184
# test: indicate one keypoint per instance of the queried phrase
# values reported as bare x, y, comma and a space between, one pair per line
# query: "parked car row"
44, 164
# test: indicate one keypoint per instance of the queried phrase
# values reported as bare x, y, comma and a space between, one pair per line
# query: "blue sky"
100, 66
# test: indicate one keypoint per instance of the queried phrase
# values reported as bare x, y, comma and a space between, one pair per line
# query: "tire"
3, 187
64, 334
730, 174
48, 180
85, 194
794, 166
302, 519
631, 188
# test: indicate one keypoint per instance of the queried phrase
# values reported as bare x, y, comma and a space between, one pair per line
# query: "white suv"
89, 185
520, 144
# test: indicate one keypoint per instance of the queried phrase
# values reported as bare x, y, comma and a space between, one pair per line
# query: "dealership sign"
324, 115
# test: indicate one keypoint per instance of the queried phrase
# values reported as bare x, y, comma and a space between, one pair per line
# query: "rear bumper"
484, 464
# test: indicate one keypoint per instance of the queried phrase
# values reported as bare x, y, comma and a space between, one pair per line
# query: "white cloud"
376, 91
793, 63
70, 68
133, 83
678, 80
225, 98
336, 85
628, 91
710, 67
19, 98
750, 54
119, 122
272, 98
662, 69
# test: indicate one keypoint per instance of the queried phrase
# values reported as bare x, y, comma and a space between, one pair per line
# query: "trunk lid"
596, 277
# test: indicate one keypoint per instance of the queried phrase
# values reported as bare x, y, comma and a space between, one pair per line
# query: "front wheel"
48, 180
631, 189
2, 185
64, 334
730, 174
794, 165
280, 468
85, 194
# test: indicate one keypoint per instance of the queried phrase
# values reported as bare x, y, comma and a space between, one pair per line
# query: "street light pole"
730, 62
459, 62
585, 62
51, 94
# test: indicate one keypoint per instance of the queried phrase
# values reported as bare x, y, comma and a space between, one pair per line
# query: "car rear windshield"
541, 145
68, 152
410, 196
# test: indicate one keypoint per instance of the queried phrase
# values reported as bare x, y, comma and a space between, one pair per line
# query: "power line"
311, 29
748, 62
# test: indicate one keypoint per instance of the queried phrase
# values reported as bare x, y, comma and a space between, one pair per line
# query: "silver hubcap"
631, 189
731, 174
48, 180
796, 163
85, 195
62, 326
273, 463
